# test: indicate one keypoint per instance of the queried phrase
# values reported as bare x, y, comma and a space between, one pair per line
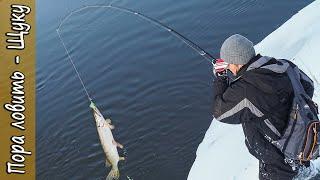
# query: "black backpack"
300, 142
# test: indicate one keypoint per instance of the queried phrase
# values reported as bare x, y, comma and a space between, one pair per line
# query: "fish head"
92, 105
97, 114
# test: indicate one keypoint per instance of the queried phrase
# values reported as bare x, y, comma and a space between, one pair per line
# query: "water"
156, 89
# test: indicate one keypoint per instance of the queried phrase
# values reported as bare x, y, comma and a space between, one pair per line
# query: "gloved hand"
220, 68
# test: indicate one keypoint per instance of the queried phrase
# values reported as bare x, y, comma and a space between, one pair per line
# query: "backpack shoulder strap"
304, 79
294, 77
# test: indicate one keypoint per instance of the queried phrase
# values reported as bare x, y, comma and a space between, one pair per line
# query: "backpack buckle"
316, 107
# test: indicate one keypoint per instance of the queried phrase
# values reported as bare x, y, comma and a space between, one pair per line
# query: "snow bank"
222, 154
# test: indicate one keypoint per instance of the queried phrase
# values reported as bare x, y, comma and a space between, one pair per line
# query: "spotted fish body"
108, 143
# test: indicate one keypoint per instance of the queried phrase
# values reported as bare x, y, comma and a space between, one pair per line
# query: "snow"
222, 154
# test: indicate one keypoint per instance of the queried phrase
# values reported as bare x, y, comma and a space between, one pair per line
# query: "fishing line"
74, 67
184, 39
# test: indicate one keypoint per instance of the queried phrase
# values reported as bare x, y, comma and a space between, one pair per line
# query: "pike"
108, 143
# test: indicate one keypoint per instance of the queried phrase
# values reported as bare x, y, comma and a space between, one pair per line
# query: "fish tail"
114, 174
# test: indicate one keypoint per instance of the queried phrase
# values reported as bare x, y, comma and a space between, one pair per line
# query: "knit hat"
237, 50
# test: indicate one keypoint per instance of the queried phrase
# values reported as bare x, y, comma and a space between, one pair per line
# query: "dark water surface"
156, 89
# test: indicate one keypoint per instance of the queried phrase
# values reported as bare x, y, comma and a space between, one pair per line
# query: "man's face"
233, 68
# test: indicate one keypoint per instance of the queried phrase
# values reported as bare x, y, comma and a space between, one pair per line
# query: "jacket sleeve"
307, 84
229, 101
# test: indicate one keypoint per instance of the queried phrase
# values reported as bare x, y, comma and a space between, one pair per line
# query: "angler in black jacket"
259, 98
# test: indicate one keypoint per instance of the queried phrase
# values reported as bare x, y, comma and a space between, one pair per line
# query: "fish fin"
114, 174
119, 145
108, 121
122, 158
108, 164
111, 126
105, 124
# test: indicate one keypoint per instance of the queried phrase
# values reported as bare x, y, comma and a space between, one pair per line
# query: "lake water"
156, 89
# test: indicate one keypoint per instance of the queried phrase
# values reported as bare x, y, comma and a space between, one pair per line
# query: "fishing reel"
220, 68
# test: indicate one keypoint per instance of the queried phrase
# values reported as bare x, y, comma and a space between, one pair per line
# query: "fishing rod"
184, 39
187, 41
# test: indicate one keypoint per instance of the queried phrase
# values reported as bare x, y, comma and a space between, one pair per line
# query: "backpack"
299, 141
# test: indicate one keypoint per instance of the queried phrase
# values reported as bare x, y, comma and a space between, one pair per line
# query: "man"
259, 98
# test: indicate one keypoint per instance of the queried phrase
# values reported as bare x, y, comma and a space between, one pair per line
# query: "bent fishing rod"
184, 39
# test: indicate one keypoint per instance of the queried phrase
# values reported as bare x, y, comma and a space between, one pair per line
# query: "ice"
222, 154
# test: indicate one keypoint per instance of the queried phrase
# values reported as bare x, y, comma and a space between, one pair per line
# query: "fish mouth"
92, 105
95, 110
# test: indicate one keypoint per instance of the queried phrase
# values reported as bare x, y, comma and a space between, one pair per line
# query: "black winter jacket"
260, 100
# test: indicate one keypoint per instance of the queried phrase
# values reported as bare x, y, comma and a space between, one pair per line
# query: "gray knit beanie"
237, 50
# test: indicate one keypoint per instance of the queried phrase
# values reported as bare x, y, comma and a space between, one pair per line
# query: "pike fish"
108, 143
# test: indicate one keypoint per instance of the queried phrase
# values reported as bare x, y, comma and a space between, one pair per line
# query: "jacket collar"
245, 67
264, 62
